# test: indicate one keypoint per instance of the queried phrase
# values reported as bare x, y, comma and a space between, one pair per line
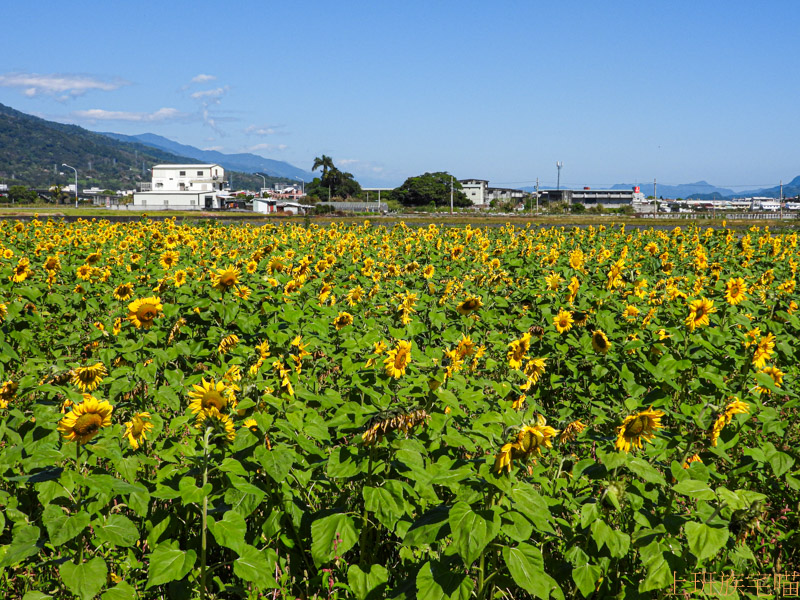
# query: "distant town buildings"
183, 187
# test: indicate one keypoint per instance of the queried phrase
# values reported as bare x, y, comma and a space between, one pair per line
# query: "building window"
183, 173
159, 185
200, 173
191, 202
144, 202
166, 202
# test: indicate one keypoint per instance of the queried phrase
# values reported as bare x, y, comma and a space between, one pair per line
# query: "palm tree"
326, 162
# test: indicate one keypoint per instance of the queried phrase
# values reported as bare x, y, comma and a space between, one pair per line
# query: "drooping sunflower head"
600, 342
571, 431
89, 377
85, 420
469, 305
343, 319
225, 279
637, 427
207, 395
137, 428
220, 423
143, 312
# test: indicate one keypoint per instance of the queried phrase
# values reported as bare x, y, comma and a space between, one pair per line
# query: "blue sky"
618, 91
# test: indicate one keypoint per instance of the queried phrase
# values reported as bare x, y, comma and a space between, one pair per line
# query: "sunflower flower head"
137, 428
88, 378
638, 427
144, 311
397, 359
85, 420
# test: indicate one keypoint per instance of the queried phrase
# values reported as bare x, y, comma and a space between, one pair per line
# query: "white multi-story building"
183, 187
476, 190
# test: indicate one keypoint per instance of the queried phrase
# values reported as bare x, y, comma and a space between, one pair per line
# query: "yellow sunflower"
397, 359
169, 259
7, 392
343, 319
764, 350
563, 320
225, 279
143, 312
517, 351
86, 419
469, 305
637, 427
532, 437
209, 394
220, 423
179, 278
136, 429
3, 312
123, 291
600, 342
698, 313
88, 378
736, 290
777, 377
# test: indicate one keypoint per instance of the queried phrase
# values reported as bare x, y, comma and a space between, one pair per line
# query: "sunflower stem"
204, 534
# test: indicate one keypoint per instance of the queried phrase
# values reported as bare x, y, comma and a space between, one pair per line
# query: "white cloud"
99, 114
262, 130
57, 84
213, 148
361, 166
203, 78
214, 94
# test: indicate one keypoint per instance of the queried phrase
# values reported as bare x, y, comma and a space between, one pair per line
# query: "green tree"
20, 193
324, 162
430, 188
333, 183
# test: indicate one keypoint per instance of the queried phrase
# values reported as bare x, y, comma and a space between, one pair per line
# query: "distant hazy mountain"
683, 190
33, 149
246, 162
790, 190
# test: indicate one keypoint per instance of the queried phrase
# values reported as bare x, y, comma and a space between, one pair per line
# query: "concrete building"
480, 194
476, 190
183, 187
589, 197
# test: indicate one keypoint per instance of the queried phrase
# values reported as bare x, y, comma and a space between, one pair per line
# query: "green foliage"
344, 468
430, 189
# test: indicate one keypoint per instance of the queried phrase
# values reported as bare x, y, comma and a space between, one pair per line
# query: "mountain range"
702, 190
245, 162
32, 151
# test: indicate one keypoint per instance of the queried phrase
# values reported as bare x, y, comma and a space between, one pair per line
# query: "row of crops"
204, 411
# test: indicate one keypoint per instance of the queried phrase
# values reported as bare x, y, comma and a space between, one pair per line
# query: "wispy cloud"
264, 130
361, 166
99, 114
203, 78
61, 85
213, 148
212, 95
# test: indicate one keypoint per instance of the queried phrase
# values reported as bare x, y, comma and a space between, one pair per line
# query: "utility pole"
451, 194
559, 164
537, 195
655, 196
780, 200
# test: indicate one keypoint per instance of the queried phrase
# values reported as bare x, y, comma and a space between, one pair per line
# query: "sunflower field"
193, 410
